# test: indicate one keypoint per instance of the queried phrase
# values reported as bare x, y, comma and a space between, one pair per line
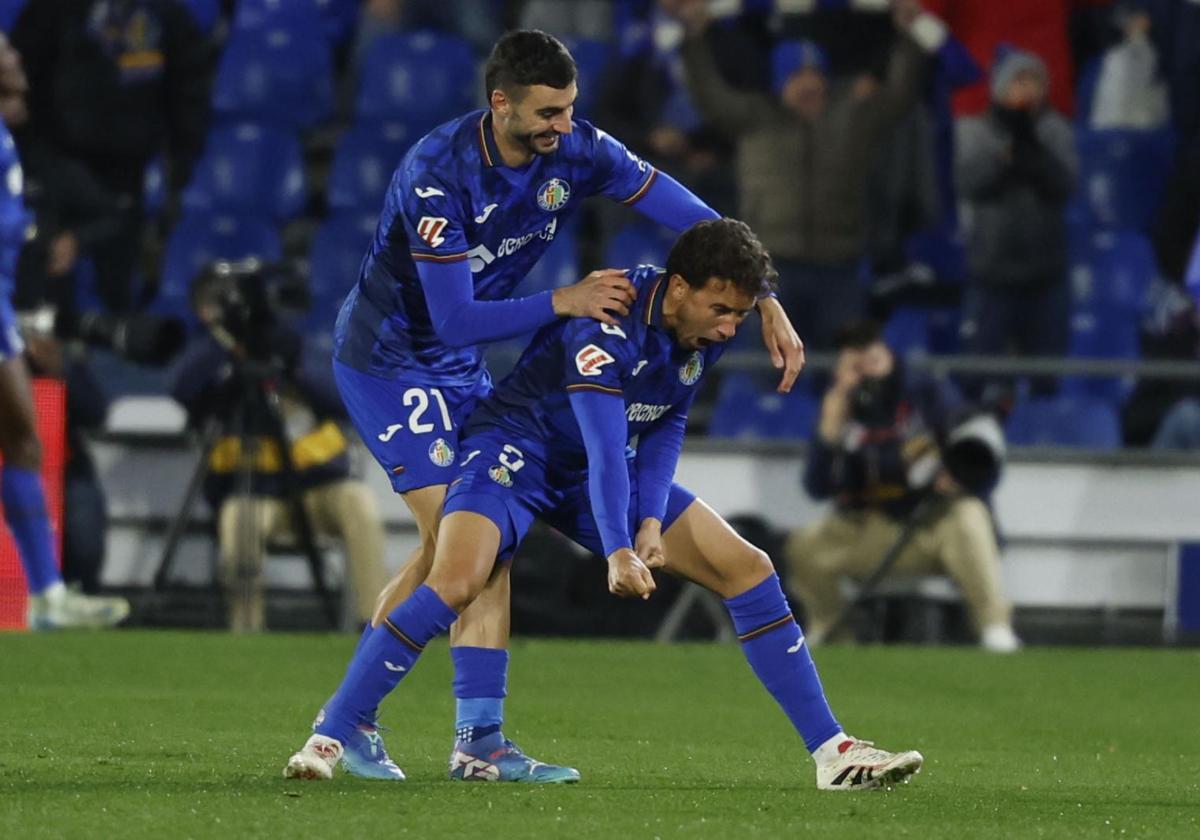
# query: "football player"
471, 208
552, 441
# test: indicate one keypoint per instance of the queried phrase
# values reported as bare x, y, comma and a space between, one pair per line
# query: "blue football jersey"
451, 199
14, 219
637, 359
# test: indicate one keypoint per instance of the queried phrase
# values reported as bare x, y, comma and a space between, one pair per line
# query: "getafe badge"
553, 194
441, 453
690, 371
499, 474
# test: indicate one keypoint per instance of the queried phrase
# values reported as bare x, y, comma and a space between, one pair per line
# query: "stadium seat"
337, 253
298, 14
260, 77
748, 407
248, 168
1122, 175
1065, 421
205, 13
639, 243
10, 10
363, 163
907, 330
200, 238
423, 77
592, 58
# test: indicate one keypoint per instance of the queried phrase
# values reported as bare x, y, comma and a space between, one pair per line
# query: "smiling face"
531, 120
704, 315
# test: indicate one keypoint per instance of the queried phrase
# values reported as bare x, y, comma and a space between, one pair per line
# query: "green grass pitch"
169, 734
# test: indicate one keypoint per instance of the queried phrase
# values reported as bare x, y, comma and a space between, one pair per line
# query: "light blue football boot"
366, 757
493, 758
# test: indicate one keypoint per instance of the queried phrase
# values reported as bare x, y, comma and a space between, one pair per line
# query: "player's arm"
601, 417
461, 321
629, 179
657, 458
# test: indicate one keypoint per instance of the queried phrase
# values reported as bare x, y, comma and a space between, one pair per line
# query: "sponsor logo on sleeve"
590, 359
430, 228
427, 192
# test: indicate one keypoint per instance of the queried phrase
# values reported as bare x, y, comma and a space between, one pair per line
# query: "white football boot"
858, 765
316, 759
62, 607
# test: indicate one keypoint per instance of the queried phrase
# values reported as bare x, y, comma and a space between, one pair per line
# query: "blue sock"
480, 686
774, 646
379, 664
25, 511
362, 640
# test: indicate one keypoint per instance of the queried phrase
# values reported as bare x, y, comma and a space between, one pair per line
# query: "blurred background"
1011, 190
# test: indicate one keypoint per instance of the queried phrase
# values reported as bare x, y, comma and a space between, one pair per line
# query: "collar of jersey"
488, 150
654, 304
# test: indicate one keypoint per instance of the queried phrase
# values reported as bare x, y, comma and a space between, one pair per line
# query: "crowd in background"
982, 178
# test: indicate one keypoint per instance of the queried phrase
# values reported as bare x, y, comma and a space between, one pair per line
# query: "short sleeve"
598, 357
619, 173
432, 218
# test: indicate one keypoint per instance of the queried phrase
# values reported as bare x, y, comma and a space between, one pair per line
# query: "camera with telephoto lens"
242, 302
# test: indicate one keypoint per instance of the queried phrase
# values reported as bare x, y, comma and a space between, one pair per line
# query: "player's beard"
530, 142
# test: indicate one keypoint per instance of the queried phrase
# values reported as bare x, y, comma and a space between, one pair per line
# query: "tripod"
257, 387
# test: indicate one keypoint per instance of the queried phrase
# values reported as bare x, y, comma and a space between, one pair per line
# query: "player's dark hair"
724, 248
528, 57
858, 335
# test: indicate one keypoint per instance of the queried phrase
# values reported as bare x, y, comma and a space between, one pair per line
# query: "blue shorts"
500, 482
412, 429
11, 344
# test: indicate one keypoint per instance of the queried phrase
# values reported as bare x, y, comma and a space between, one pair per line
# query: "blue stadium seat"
277, 74
1065, 421
907, 330
423, 77
200, 238
1123, 174
296, 14
10, 10
639, 243
592, 58
205, 13
251, 169
748, 408
363, 164
337, 252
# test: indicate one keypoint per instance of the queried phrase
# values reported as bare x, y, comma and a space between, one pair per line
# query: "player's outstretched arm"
783, 343
461, 321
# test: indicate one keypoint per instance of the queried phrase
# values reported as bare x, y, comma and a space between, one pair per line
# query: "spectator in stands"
1016, 168
875, 455
645, 102
1041, 27
214, 381
112, 84
804, 156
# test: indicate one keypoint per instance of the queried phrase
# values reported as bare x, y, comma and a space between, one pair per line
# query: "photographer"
247, 364
876, 455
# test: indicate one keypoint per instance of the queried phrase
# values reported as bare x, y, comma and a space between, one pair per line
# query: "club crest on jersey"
499, 474
590, 359
553, 194
689, 371
430, 228
440, 453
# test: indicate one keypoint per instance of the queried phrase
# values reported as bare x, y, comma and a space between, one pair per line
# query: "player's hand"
604, 295
628, 575
784, 345
648, 544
